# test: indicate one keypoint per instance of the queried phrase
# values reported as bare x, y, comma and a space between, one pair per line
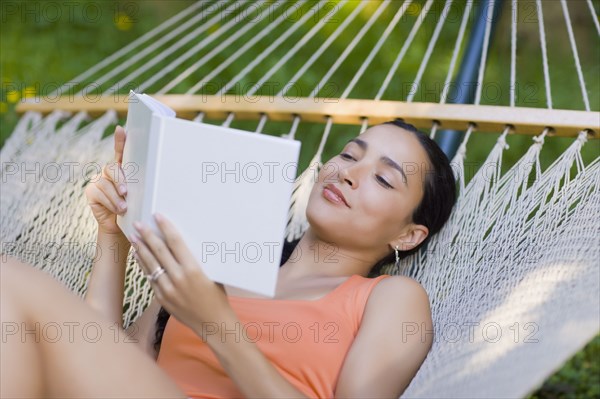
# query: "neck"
314, 257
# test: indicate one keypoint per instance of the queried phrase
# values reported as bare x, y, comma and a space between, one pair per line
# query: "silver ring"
155, 274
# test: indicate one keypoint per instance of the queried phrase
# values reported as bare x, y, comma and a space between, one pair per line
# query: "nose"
347, 175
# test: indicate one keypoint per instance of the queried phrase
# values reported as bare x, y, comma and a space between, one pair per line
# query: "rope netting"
198, 51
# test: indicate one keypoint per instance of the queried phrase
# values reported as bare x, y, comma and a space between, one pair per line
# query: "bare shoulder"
393, 340
398, 300
393, 290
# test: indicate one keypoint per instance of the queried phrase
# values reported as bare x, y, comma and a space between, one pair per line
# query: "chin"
326, 224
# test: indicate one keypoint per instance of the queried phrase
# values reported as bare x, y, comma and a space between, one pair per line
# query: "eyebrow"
385, 159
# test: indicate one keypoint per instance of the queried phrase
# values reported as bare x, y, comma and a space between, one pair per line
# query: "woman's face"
380, 174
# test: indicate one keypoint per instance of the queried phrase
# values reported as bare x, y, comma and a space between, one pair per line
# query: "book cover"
226, 190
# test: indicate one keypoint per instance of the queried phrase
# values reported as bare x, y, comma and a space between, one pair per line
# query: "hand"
106, 196
182, 289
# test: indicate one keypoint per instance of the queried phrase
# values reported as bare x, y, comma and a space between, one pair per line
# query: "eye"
383, 182
347, 156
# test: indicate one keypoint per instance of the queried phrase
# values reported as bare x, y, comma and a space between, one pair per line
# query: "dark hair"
439, 197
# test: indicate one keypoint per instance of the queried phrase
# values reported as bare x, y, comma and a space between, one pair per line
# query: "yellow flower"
12, 96
123, 21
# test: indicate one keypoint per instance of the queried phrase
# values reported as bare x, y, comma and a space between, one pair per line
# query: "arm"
106, 285
105, 291
105, 196
394, 338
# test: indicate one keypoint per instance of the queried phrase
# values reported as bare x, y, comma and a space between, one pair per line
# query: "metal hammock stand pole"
466, 80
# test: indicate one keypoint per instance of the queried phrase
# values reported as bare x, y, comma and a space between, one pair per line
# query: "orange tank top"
306, 341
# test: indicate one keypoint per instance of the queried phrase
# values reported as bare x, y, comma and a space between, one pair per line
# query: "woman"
329, 331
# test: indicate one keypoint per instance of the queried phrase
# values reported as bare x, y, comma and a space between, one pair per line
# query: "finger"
179, 249
162, 286
160, 251
144, 256
117, 203
114, 172
120, 137
97, 198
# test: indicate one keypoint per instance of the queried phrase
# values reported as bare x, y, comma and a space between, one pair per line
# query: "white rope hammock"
514, 276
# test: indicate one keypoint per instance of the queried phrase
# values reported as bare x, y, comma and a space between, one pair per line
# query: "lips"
337, 194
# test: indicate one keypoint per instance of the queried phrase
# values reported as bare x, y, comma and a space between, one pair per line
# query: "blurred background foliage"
45, 44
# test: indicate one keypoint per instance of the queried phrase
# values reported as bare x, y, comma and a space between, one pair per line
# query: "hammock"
513, 278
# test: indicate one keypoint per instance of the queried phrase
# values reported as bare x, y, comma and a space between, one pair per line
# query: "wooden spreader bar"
489, 118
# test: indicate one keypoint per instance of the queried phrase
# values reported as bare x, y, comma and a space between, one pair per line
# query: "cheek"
378, 212
329, 173
382, 214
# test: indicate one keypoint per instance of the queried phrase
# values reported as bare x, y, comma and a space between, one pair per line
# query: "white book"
227, 191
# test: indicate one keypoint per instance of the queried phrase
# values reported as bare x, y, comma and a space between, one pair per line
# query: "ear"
414, 235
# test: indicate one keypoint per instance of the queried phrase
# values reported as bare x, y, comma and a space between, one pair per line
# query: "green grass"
41, 49
45, 44
578, 378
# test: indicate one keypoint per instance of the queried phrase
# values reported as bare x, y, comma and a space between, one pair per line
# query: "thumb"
120, 137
